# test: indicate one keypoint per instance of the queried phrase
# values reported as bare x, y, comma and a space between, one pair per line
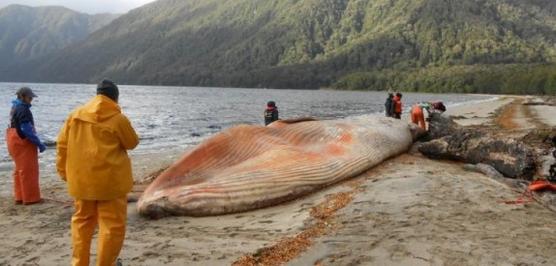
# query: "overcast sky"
87, 6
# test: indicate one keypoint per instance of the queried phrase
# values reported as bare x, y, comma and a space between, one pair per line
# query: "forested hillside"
32, 32
426, 45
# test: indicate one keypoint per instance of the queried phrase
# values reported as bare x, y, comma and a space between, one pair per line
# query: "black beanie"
108, 89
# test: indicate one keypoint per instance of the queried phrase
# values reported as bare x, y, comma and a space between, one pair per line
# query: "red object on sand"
535, 186
540, 185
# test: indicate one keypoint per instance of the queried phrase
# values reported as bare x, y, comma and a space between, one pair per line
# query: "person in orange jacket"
398, 106
418, 116
23, 143
93, 160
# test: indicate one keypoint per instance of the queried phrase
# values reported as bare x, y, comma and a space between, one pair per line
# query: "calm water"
174, 118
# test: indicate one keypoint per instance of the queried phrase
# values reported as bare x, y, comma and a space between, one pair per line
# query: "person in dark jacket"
271, 113
23, 144
389, 105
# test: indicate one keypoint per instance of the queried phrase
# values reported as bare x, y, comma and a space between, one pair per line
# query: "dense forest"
499, 79
487, 46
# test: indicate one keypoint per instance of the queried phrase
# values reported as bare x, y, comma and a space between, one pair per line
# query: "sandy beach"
410, 210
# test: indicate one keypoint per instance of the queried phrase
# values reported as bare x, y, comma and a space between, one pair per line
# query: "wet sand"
479, 113
545, 114
409, 210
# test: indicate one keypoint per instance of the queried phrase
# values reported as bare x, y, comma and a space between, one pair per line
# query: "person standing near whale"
93, 160
271, 113
23, 144
389, 105
398, 105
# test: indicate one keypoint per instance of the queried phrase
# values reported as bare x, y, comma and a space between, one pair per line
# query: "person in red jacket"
398, 106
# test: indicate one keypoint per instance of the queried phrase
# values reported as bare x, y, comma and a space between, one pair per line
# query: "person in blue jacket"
22, 145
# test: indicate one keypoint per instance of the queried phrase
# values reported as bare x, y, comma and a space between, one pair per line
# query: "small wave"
455, 104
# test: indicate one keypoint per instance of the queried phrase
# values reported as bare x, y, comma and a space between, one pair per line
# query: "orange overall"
418, 117
26, 171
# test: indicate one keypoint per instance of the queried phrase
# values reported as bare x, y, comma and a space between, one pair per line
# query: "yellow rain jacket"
92, 151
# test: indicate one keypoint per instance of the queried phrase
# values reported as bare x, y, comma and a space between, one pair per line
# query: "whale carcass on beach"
249, 167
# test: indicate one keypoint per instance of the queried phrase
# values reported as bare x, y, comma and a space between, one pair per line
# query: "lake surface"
171, 119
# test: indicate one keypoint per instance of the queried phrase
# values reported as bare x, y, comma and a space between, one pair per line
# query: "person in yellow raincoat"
92, 158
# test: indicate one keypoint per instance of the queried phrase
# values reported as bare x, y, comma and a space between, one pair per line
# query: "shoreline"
409, 210
156, 144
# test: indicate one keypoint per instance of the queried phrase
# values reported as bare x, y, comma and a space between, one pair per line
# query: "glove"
42, 148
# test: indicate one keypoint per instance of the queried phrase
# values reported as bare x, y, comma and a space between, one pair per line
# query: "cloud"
88, 6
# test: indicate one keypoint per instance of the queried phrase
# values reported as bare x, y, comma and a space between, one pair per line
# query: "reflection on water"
169, 119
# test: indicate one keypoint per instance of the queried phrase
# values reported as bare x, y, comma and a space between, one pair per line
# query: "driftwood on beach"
450, 141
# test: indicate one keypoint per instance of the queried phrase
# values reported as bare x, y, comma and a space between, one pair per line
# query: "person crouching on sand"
23, 143
93, 160
418, 116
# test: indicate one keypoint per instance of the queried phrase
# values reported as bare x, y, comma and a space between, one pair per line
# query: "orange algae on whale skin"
249, 167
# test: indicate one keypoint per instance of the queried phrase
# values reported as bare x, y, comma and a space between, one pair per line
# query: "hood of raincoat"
98, 109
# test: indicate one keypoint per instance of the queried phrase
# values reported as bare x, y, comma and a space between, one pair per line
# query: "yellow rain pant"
110, 215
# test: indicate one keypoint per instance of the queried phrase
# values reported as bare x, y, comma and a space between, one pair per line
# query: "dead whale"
249, 167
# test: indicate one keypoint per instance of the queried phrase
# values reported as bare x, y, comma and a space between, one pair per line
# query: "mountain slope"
31, 32
301, 43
